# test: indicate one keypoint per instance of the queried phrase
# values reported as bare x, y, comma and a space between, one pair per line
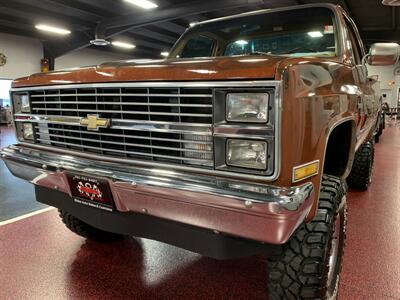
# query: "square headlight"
27, 131
246, 154
21, 103
247, 107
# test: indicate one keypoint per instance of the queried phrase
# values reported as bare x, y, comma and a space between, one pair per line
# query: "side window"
198, 46
355, 48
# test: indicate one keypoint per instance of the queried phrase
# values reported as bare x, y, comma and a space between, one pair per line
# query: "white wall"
386, 76
86, 57
23, 56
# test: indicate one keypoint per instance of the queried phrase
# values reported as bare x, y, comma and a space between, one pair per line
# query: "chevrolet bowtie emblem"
93, 122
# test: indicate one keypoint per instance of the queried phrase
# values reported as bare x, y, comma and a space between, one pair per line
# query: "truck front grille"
172, 124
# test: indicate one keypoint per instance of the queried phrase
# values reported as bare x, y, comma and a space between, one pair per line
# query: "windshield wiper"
258, 53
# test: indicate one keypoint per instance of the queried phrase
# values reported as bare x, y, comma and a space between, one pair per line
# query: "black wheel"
376, 138
381, 127
309, 264
361, 172
85, 230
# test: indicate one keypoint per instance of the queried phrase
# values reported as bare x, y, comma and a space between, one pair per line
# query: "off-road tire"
376, 138
299, 270
85, 230
381, 127
361, 172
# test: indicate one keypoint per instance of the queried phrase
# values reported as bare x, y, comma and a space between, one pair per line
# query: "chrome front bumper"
254, 211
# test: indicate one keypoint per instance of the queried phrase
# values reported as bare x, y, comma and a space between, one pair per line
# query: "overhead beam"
173, 12
54, 8
85, 8
346, 7
394, 22
381, 36
155, 35
128, 22
146, 41
136, 53
18, 31
172, 27
41, 14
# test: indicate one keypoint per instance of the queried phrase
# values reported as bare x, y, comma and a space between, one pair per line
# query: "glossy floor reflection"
40, 259
16, 195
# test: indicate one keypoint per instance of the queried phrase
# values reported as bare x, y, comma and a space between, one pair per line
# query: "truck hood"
220, 68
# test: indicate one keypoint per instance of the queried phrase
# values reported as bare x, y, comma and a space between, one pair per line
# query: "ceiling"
156, 30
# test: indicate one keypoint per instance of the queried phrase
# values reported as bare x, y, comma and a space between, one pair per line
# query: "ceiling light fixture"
315, 34
123, 45
241, 42
192, 24
146, 4
52, 29
164, 53
100, 42
391, 2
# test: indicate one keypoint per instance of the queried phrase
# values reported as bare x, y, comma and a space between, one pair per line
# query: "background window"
198, 46
5, 86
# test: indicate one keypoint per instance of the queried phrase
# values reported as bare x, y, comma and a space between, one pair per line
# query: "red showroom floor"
40, 259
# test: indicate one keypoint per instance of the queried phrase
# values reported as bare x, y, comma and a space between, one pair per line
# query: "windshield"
297, 32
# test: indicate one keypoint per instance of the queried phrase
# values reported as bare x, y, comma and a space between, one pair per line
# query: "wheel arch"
340, 148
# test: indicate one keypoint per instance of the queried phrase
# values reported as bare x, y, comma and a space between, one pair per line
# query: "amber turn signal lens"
305, 171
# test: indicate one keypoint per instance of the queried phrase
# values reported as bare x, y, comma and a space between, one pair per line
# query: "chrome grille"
159, 124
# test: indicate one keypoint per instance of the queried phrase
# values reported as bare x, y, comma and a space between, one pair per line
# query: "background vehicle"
239, 142
384, 62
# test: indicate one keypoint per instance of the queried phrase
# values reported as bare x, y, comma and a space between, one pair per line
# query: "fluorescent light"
192, 24
315, 34
241, 42
123, 45
164, 53
52, 29
146, 4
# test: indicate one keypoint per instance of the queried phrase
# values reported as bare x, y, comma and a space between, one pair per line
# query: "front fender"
314, 104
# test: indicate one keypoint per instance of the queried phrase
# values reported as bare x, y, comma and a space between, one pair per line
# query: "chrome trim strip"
245, 136
36, 162
199, 84
251, 131
152, 126
266, 11
130, 112
180, 158
195, 125
125, 94
49, 118
66, 137
158, 129
130, 136
119, 103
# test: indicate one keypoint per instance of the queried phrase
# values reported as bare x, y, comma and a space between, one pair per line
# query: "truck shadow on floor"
132, 268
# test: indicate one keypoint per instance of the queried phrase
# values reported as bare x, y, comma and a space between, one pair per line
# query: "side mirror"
382, 60
383, 54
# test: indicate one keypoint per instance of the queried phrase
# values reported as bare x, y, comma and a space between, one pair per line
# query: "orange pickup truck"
240, 142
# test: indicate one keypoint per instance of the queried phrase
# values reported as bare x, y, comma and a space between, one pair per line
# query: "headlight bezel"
20, 131
267, 131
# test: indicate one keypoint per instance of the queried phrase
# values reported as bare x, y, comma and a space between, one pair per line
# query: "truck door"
367, 102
